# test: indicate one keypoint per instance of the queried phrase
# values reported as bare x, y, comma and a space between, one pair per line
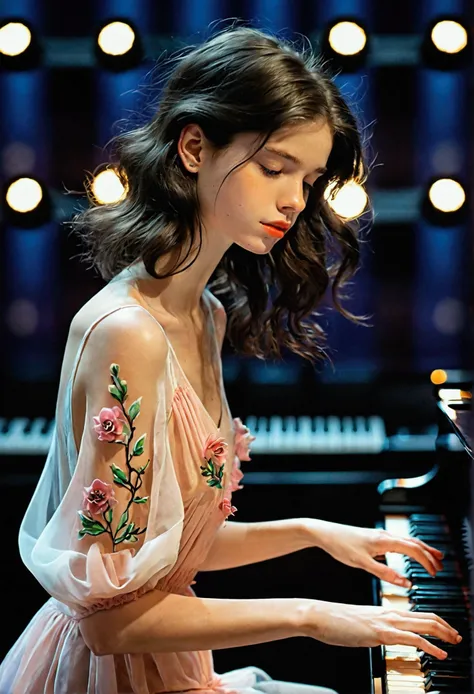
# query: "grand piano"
434, 507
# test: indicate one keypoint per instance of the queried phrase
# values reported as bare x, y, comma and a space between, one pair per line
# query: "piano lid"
459, 413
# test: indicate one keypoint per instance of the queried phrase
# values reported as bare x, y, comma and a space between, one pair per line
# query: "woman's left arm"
238, 544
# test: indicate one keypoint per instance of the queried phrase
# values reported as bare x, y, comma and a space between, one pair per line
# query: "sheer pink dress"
189, 499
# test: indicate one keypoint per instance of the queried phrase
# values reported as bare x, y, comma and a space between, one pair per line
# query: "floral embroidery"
227, 508
236, 475
98, 497
110, 424
214, 454
243, 439
115, 425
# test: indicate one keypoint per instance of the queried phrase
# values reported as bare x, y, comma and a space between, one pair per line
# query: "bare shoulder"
129, 335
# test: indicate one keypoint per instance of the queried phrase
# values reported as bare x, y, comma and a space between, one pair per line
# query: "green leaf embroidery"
123, 520
142, 469
139, 445
134, 409
125, 531
115, 393
91, 531
214, 471
119, 476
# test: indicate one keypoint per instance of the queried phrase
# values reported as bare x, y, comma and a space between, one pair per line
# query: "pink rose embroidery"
109, 424
243, 439
227, 508
116, 425
214, 454
236, 475
215, 448
98, 497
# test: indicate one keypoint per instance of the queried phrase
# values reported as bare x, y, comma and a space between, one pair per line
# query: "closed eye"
273, 174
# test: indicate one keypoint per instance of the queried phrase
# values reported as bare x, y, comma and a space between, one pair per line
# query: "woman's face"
267, 188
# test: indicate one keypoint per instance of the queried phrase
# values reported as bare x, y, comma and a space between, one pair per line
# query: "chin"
258, 246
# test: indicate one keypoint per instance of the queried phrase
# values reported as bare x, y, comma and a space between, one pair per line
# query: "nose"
293, 198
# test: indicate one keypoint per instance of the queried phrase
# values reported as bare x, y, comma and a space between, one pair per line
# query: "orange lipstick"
273, 231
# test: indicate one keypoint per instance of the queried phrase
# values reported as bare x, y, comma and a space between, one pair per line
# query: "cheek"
242, 198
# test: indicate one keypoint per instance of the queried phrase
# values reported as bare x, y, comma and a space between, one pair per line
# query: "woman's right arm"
166, 622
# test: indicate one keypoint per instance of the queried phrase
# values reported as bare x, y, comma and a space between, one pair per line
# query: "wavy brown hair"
239, 80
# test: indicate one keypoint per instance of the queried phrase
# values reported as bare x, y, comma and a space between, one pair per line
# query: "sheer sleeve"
118, 525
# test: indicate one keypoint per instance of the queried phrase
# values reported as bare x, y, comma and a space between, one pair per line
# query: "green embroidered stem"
214, 472
125, 530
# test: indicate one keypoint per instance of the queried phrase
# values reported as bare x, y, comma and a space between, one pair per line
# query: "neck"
178, 295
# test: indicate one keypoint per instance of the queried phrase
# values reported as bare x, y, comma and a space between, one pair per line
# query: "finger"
407, 638
413, 550
431, 627
437, 554
384, 573
426, 615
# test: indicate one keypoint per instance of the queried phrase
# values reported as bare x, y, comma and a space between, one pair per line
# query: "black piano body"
435, 507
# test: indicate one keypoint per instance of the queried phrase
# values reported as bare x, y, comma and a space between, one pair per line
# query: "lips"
273, 231
283, 226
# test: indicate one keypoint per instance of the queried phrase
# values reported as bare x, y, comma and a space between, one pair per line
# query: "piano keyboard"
408, 670
317, 434
284, 435
22, 436
297, 435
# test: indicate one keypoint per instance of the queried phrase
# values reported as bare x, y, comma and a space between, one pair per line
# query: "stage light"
447, 195
345, 44
19, 48
446, 44
349, 202
445, 202
347, 38
24, 195
449, 36
118, 46
26, 202
15, 37
107, 187
438, 377
116, 38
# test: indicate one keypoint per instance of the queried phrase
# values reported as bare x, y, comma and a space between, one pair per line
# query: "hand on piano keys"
340, 624
358, 547
411, 669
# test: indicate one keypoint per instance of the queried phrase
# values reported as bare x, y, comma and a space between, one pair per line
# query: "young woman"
228, 178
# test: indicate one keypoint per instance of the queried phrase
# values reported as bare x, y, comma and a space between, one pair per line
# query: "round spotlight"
345, 44
447, 195
107, 187
438, 377
347, 38
19, 48
449, 36
116, 38
15, 37
349, 202
24, 195
446, 44
445, 202
118, 46
26, 202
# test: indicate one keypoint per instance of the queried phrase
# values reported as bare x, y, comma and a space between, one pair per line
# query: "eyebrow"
291, 157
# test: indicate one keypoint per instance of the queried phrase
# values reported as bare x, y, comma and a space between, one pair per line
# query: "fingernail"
458, 639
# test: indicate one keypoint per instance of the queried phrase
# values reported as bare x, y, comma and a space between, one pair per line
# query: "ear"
191, 146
